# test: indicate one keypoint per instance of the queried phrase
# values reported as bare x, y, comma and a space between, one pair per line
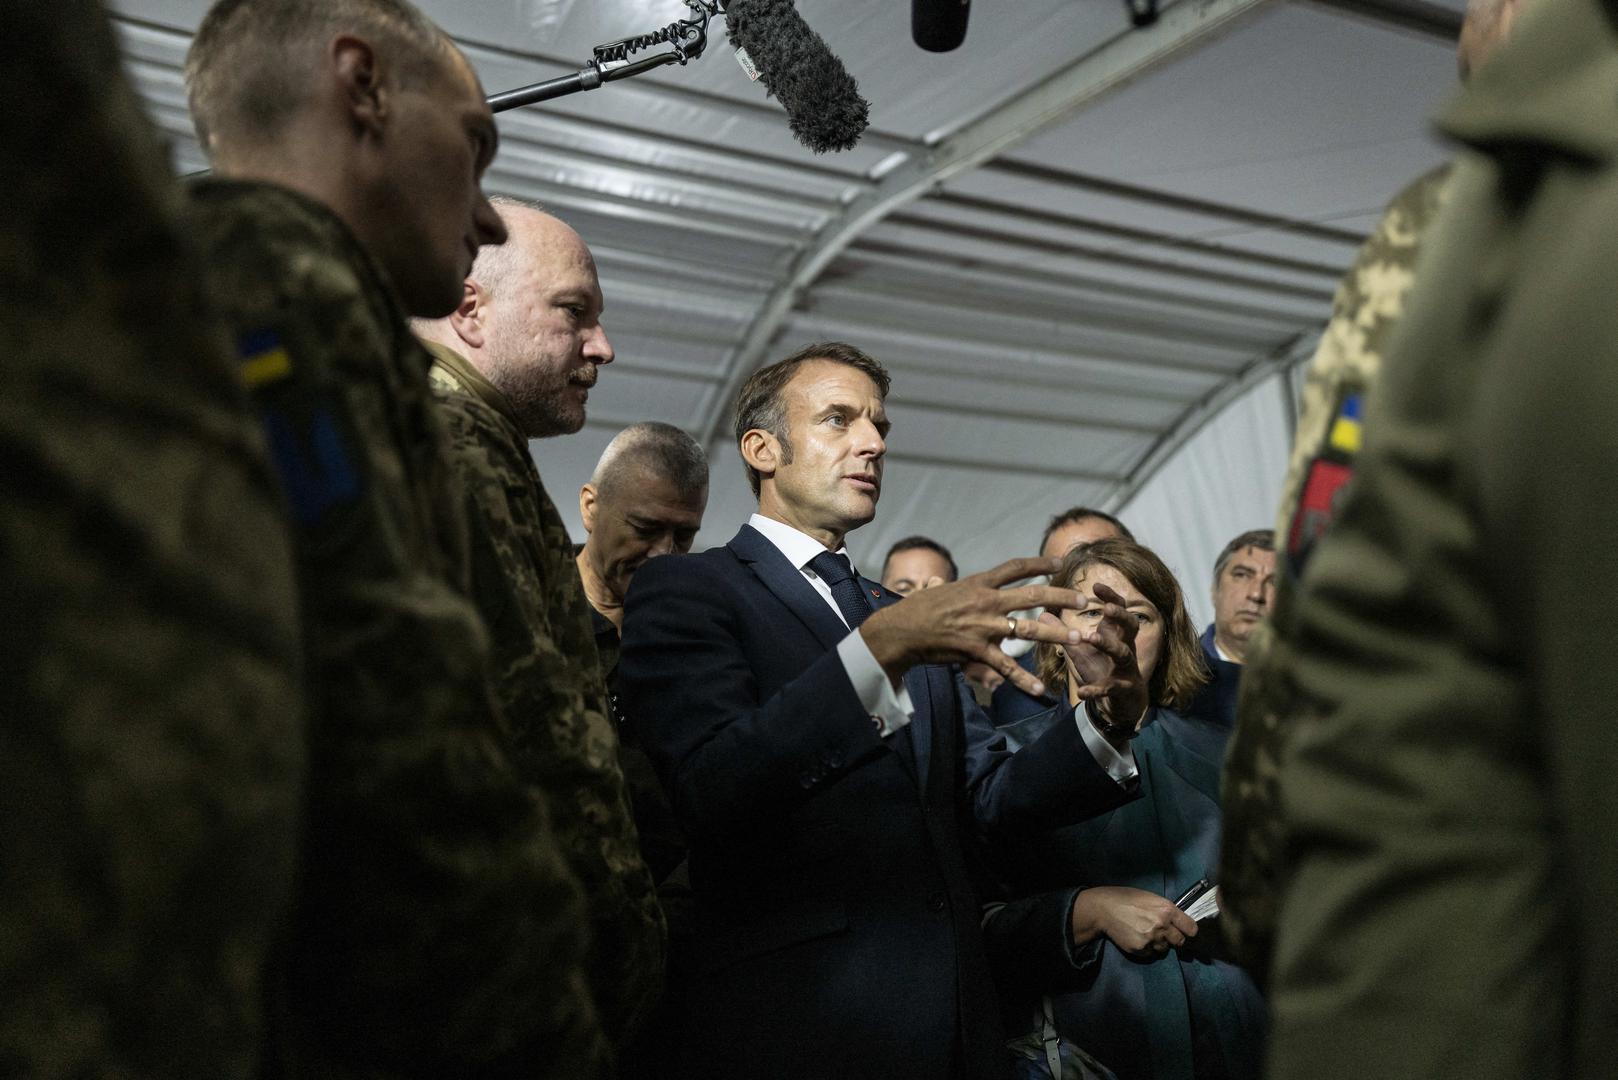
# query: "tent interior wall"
1091, 256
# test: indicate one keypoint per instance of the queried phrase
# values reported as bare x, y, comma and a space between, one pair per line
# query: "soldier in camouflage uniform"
1365, 314
437, 931
1367, 307
150, 748
1448, 782
529, 321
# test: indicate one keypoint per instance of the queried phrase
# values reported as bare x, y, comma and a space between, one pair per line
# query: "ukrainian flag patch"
264, 360
1346, 432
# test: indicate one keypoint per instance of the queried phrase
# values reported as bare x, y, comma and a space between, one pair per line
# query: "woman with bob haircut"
1143, 988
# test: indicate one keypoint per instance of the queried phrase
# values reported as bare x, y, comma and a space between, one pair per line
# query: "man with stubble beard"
436, 929
515, 361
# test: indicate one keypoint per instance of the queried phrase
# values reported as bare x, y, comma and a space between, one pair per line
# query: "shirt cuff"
888, 708
1118, 765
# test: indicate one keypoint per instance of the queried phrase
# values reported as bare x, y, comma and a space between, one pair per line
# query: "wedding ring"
1011, 626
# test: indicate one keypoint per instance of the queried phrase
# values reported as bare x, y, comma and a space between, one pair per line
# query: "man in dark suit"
829, 768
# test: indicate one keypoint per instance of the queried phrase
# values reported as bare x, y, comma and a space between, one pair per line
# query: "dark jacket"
836, 924
1189, 1014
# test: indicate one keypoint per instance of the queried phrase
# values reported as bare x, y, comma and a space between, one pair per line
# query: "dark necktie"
846, 590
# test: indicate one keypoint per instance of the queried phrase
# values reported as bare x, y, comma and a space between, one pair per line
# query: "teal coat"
1141, 1019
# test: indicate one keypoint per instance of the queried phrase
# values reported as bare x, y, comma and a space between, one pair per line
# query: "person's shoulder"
474, 424
267, 218
697, 574
281, 266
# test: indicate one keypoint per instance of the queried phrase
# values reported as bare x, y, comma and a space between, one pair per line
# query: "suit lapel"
786, 582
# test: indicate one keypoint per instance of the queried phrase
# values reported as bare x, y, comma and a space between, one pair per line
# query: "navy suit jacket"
836, 921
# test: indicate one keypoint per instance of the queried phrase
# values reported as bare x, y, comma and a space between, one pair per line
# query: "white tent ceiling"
1067, 239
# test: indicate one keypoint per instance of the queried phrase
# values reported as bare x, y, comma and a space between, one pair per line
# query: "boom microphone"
939, 25
821, 99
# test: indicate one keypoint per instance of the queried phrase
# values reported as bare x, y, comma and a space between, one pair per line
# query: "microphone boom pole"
821, 99
686, 39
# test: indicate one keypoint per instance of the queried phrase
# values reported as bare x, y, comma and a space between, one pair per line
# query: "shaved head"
530, 320
253, 63
651, 450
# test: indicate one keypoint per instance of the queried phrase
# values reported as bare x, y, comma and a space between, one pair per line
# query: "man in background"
1243, 590
917, 562
645, 498
515, 361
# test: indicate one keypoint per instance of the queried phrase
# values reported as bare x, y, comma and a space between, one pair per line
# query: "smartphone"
1192, 893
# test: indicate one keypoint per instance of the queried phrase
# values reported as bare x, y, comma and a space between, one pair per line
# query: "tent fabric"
1064, 239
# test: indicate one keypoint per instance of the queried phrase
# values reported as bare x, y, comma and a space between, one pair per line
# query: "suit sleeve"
727, 757
1053, 781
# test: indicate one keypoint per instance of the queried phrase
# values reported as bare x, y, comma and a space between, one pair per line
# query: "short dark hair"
661, 449
913, 543
1180, 671
247, 72
1082, 513
759, 404
1263, 539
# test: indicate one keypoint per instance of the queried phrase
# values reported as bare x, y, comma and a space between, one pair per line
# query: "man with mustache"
515, 361
829, 766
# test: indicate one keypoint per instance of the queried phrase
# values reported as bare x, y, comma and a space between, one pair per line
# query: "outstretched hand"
1104, 660
964, 621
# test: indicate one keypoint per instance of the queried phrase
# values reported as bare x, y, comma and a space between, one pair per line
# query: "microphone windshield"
939, 25
822, 101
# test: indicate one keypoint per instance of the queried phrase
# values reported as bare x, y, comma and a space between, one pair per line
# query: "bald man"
515, 361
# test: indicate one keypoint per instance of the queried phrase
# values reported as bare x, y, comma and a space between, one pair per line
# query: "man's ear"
358, 73
587, 507
761, 450
470, 319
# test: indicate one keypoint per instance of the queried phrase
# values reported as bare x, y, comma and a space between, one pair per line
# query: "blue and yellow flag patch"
263, 359
1346, 434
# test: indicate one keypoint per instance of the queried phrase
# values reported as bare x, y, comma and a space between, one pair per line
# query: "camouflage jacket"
150, 747
548, 677
1365, 312
437, 929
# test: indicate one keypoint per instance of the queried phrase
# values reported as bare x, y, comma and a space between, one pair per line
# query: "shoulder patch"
263, 359
318, 471
1325, 480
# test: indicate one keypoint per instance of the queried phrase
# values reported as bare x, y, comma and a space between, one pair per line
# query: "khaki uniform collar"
1554, 84
472, 381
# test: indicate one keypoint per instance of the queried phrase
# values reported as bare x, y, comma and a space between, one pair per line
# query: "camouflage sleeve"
551, 692
438, 929
151, 748
1365, 313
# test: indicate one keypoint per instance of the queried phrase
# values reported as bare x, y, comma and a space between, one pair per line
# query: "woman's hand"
1142, 924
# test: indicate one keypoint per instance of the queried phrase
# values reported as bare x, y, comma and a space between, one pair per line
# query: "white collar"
798, 547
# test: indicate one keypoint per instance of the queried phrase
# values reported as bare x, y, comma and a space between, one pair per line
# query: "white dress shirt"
888, 708
892, 709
